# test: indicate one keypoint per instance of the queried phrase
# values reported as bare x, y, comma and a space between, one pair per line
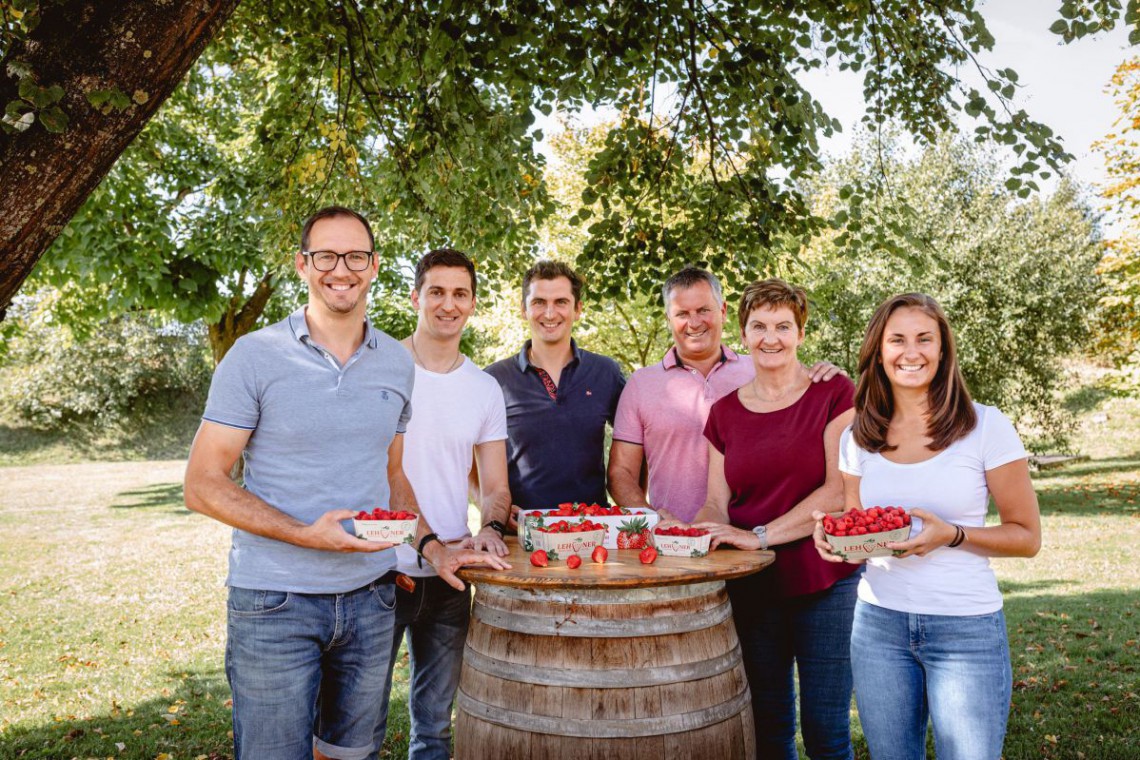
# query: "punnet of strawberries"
677, 530
570, 509
564, 526
384, 514
861, 522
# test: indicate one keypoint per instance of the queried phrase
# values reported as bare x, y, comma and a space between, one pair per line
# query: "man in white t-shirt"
458, 413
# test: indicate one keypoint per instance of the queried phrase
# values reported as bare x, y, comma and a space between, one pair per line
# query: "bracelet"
424, 542
959, 537
498, 527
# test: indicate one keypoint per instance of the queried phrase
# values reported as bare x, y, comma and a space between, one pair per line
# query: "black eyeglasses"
326, 261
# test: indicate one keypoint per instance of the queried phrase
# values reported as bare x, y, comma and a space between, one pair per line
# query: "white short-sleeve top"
952, 485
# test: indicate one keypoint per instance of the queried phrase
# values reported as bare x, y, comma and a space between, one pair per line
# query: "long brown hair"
950, 411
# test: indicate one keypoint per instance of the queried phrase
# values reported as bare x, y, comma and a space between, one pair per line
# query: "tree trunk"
239, 318
141, 48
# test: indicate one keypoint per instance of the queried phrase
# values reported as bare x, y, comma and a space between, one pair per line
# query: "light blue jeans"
951, 669
433, 619
308, 669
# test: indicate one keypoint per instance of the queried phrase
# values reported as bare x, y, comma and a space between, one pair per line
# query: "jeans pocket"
246, 601
385, 594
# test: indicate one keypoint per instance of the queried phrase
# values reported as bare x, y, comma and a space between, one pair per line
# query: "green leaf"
54, 119
1059, 27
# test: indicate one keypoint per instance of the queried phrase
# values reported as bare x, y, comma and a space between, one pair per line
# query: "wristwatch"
761, 532
498, 527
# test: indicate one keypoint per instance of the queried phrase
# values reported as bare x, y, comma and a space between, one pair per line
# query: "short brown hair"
773, 293
444, 257
552, 270
329, 212
950, 414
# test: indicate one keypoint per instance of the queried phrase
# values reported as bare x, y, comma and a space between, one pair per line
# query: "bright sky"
1061, 85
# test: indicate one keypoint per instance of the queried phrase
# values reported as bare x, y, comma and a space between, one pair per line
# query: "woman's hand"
726, 535
935, 534
821, 544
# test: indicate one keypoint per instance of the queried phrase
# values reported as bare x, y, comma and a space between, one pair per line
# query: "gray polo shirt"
320, 441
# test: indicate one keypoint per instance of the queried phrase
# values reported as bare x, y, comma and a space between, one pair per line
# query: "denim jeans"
810, 635
952, 669
308, 669
433, 619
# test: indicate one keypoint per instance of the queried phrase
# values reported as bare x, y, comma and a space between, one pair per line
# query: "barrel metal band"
594, 727
603, 596
615, 678
572, 625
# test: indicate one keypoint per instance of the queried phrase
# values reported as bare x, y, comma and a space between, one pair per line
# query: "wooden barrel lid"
623, 569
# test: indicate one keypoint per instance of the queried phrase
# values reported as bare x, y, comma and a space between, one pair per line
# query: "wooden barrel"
613, 673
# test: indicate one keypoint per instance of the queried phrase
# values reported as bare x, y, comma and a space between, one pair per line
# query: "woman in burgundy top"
773, 460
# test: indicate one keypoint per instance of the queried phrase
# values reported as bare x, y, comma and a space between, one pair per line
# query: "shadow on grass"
1089, 397
1075, 664
166, 495
1059, 491
200, 727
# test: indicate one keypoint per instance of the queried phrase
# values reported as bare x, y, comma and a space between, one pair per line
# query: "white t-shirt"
452, 413
952, 485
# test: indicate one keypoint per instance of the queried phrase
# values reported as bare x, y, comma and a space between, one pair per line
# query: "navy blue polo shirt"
556, 446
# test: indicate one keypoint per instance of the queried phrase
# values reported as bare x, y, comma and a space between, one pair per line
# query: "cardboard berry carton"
682, 542
561, 538
864, 533
389, 527
614, 519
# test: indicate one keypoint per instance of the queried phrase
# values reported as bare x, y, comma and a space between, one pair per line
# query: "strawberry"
539, 559
573, 562
648, 555
600, 555
633, 533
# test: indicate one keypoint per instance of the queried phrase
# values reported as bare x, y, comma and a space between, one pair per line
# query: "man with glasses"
317, 405
459, 415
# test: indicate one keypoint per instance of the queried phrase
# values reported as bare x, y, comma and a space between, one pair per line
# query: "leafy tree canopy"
423, 115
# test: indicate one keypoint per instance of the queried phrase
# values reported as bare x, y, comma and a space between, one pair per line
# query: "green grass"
112, 611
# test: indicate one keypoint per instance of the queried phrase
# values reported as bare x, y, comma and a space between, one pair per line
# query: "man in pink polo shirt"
662, 412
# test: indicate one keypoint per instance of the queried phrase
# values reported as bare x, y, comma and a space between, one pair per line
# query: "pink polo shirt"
663, 409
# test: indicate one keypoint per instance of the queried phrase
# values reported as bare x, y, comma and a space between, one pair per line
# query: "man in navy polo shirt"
317, 405
559, 398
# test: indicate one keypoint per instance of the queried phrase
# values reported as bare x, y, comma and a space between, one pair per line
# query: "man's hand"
513, 519
489, 540
446, 560
823, 371
329, 535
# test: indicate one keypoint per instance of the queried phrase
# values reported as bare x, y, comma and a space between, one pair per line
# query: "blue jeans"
809, 634
308, 669
952, 669
434, 620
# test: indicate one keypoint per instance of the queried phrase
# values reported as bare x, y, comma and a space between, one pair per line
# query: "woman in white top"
929, 640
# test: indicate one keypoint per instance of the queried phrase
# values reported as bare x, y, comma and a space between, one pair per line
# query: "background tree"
1119, 328
1016, 278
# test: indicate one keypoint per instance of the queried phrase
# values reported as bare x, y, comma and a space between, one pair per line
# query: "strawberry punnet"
861, 522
